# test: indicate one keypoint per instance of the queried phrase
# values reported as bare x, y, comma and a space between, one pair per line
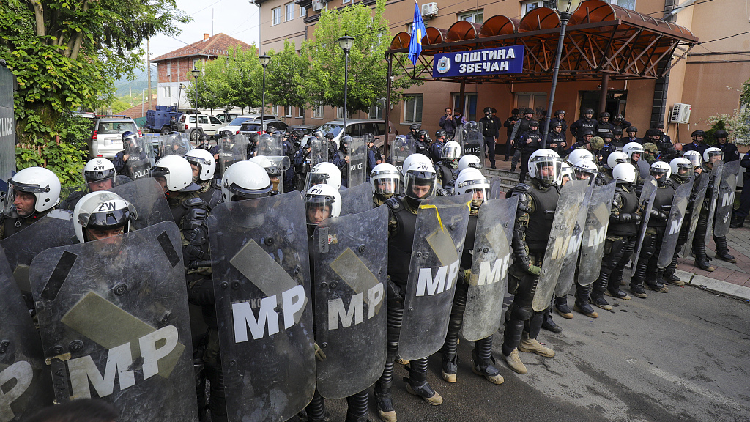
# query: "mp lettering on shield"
154, 346
22, 373
292, 301
442, 281
337, 310
597, 236
491, 274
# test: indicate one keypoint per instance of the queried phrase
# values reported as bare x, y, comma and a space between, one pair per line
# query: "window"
317, 112
289, 11
475, 16
376, 110
340, 113
346, 1
302, 11
169, 91
300, 112
288, 111
276, 16
528, 6
195, 63
169, 68
413, 108
470, 105
534, 100
625, 4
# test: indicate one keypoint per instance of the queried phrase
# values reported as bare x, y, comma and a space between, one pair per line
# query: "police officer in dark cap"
559, 118
632, 133
510, 122
604, 125
729, 149
490, 132
528, 143
584, 123
556, 137
697, 144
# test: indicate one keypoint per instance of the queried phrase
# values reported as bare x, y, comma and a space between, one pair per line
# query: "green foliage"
737, 123
285, 78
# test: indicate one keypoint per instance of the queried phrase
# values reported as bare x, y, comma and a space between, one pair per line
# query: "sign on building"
489, 61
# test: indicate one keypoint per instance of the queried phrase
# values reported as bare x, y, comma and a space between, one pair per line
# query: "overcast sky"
236, 18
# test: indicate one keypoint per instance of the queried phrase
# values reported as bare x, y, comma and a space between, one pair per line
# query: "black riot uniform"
537, 202
585, 122
697, 144
646, 270
447, 171
730, 150
14, 223
529, 142
622, 234
604, 126
670, 275
556, 137
699, 238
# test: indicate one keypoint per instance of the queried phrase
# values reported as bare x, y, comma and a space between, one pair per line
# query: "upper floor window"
289, 11
528, 6
302, 11
474, 16
625, 4
276, 15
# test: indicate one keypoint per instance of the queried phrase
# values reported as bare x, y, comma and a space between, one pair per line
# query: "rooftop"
215, 46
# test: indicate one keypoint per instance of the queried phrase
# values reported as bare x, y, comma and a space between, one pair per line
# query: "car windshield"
250, 127
330, 128
238, 121
116, 127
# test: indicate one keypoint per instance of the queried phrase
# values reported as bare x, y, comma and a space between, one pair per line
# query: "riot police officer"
536, 202
617, 140
32, 193
632, 133
604, 126
386, 182
682, 171
622, 233
490, 132
646, 270
99, 174
559, 118
447, 167
528, 143
419, 183
556, 137
519, 129
203, 165
697, 144
436, 147
585, 122
710, 157
470, 181
729, 149
102, 214
132, 161
619, 122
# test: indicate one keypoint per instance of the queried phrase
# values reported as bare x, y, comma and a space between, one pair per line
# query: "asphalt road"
676, 356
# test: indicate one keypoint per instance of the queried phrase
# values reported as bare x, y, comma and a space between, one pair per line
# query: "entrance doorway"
616, 101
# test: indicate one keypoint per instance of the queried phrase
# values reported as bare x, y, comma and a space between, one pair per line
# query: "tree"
737, 123
367, 66
285, 77
233, 80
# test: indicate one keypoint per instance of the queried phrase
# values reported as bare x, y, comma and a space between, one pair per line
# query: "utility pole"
148, 69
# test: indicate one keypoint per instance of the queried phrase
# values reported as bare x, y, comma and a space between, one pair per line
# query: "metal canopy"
601, 39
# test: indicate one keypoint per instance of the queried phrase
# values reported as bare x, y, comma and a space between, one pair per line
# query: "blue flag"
418, 31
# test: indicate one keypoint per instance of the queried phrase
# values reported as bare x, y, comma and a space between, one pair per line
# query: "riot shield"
53, 230
261, 267
716, 174
318, 151
402, 147
595, 233
674, 224
232, 149
496, 187
695, 211
349, 257
572, 198
725, 201
141, 158
22, 369
472, 143
646, 202
643, 168
114, 322
173, 144
489, 270
435, 260
147, 196
570, 257
357, 167
270, 145
356, 200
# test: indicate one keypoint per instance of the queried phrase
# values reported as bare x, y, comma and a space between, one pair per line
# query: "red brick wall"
180, 68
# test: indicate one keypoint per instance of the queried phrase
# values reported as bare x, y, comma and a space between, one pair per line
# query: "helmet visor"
98, 175
548, 169
239, 193
318, 208
419, 184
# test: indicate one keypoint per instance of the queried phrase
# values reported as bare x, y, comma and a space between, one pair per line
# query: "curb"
718, 286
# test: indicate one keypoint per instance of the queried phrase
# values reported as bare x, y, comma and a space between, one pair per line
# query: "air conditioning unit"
680, 113
318, 5
430, 9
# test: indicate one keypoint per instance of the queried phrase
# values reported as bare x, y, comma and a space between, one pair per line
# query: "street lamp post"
346, 43
196, 73
264, 60
564, 18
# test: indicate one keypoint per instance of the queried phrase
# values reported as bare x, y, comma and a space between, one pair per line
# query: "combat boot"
722, 250
737, 221
701, 259
636, 281
514, 362
417, 383
484, 362
450, 367
562, 308
548, 324
532, 345
657, 284
597, 292
383, 398
582, 304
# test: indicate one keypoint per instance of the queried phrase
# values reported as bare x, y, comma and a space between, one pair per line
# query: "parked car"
206, 124
303, 129
251, 129
106, 138
355, 128
225, 118
234, 125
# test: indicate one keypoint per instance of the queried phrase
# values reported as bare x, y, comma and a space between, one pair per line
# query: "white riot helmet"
632, 147
419, 172
615, 158
469, 161
579, 153
566, 171
684, 164
545, 165
385, 179
451, 150
624, 173
694, 157
318, 198
99, 169
102, 210
712, 152
660, 167
470, 181
324, 174
177, 172
584, 169
41, 182
205, 162
245, 180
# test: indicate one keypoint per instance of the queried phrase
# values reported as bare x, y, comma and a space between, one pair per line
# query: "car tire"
195, 135
165, 130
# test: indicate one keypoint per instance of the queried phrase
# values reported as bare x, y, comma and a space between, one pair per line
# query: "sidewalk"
729, 279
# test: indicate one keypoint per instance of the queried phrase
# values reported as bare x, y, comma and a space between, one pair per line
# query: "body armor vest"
399, 245
629, 206
662, 203
540, 221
